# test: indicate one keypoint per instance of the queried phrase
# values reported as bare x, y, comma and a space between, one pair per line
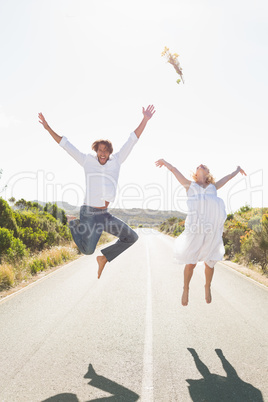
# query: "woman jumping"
202, 237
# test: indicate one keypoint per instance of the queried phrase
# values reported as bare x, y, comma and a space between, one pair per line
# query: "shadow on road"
118, 392
213, 387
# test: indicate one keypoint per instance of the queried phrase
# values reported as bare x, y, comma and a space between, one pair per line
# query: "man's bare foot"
185, 296
208, 294
101, 260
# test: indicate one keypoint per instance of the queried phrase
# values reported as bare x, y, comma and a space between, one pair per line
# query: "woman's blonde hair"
209, 179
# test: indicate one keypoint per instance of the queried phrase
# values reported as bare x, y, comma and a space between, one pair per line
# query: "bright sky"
90, 65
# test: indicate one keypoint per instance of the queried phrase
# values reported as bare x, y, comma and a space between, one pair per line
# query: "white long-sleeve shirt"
101, 180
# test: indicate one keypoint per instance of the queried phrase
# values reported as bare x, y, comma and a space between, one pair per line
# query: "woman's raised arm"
179, 176
220, 183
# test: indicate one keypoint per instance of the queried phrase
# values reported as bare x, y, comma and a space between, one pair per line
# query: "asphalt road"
126, 337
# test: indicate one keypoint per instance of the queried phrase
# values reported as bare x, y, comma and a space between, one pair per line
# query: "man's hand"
43, 121
54, 135
148, 112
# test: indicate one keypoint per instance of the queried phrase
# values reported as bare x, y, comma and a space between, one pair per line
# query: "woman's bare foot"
101, 260
208, 294
185, 296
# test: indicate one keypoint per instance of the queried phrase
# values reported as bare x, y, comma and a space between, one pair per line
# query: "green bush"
173, 226
22, 204
232, 239
255, 244
11, 248
37, 265
39, 230
34, 240
56, 212
7, 219
30, 229
6, 237
16, 251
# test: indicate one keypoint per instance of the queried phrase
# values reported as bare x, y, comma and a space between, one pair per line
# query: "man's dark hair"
107, 143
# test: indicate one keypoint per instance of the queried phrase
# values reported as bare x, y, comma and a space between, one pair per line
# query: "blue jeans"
87, 230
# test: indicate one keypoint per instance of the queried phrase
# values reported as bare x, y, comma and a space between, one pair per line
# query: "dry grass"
7, 276
24, 271
51, 258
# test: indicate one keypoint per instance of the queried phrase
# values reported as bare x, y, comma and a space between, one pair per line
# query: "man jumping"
101, 172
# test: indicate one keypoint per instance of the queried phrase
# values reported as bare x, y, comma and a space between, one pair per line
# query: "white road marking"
147, 393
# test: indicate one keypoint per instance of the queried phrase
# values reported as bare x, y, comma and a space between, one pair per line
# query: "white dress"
202, 238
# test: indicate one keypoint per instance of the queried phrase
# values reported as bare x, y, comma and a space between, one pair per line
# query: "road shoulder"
250, 273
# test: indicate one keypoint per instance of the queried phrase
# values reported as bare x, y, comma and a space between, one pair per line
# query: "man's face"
102, 154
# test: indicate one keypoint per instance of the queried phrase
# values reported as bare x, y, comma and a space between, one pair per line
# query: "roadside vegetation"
245, 236
33, 238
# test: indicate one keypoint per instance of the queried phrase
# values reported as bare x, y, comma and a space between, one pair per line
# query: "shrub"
255, 244
41, 230
173, 225
7, 219
6, 237
36, 265
16, 251
244, 209
56, 212
28, 205
33, 240
172, 220
232, 238
11, 249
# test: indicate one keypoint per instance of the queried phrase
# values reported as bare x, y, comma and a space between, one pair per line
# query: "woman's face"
203, 169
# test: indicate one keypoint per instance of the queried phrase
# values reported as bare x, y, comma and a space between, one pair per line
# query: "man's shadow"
119, 393
213, 387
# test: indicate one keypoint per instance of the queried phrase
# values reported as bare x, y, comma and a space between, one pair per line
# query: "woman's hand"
185, 182
160, 163
239, 170
220, 183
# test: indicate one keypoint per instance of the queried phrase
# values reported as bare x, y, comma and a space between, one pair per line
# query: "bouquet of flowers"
173, 59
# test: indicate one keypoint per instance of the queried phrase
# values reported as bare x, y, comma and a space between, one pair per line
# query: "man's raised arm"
43, 121
147, 114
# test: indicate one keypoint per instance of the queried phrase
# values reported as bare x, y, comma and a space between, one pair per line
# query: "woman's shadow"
213, 387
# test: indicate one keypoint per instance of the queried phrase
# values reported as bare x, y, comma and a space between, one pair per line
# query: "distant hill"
145, 217
133, 217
